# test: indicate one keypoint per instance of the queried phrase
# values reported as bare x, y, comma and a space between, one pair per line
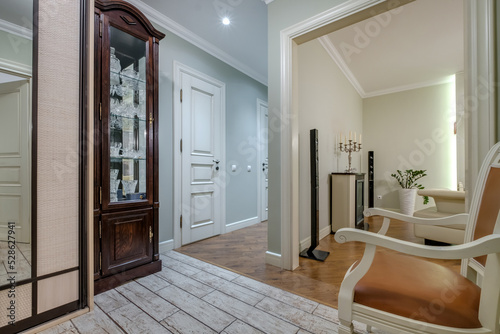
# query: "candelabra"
348, 148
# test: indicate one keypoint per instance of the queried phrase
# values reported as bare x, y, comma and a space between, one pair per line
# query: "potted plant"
408, 182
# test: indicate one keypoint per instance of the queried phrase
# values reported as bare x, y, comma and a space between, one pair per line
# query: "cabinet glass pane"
127, 124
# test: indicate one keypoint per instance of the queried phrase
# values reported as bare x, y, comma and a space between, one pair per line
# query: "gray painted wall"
15, 48
241, 127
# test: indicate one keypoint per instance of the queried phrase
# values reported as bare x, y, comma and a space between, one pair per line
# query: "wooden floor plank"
96, 322
157, 307
243, 251
181, 322
133, 320
246, 313
199, 309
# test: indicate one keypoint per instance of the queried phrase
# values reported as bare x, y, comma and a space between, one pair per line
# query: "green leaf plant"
408, 180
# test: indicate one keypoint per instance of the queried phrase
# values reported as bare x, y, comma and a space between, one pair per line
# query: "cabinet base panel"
110, 282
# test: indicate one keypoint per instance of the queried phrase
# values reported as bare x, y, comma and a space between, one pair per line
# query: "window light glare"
226, 21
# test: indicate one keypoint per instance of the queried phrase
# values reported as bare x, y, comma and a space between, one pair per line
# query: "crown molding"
14, 29
184, 33
337, 58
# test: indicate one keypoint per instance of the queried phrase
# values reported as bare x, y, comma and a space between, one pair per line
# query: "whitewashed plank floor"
191, 296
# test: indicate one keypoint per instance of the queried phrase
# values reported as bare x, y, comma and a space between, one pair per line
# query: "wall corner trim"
273, 259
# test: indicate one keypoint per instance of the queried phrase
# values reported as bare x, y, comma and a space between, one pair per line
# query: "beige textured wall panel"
22, 303
57, 291
58, 108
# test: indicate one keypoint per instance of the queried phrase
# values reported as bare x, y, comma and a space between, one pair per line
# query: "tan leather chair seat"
404, 285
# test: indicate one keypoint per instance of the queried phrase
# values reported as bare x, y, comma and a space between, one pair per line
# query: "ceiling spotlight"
226, 21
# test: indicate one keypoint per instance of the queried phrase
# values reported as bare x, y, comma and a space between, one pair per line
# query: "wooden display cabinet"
126, 145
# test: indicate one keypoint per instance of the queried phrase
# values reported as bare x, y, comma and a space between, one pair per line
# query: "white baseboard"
273, 259
241, 224
306, 243
165, 246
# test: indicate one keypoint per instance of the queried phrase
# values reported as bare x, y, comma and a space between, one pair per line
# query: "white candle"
355, 137
360, 138
350, 135
340, 138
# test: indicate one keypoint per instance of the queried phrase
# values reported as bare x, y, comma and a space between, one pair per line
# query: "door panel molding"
180, 69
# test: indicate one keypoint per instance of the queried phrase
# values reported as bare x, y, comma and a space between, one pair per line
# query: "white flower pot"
407, 201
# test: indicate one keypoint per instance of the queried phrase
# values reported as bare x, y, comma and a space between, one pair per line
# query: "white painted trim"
273, 259
259, 157
268, 1
242, 224
337, 58
15, 29
480, 136
12, 67
289, 133
306, 243
166, 246
178, 69
479, 79
184, 33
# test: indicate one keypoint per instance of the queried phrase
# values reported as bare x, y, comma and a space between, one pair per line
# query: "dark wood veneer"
126, 242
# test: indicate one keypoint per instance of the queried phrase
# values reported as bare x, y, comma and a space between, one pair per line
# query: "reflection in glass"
127, 123
15, 139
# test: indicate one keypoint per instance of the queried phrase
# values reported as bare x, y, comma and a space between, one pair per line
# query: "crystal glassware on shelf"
115, 151
113, 174
130, 78
115, 67
129, 186
113, 186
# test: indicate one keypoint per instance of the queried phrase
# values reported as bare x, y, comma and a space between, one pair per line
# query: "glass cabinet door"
127, 123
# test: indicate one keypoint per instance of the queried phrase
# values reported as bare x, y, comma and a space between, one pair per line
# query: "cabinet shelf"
141, 119
121, 158
126, 198
132, 79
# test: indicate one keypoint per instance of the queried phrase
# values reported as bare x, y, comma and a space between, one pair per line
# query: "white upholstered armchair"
400, 292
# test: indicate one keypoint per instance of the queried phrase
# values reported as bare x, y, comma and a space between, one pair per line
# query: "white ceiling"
418, 45
242, 44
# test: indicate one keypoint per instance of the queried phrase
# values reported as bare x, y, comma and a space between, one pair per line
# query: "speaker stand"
314, 254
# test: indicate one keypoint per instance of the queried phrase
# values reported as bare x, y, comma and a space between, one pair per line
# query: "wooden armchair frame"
480, 255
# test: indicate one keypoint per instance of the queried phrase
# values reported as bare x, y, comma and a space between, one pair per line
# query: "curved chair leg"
346, 327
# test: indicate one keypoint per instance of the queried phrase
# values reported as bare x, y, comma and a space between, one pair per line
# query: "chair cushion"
421, 290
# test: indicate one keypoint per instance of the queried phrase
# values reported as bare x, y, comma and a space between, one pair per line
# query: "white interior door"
202, 165
263, 131
15, 159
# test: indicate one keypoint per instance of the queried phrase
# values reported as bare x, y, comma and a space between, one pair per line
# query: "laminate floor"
243, 251
192, 296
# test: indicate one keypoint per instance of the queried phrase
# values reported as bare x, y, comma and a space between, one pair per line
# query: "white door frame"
24, 71
180, 68
479, 62
260, 103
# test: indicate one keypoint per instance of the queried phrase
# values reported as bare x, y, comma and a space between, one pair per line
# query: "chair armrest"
460, 218
483, 246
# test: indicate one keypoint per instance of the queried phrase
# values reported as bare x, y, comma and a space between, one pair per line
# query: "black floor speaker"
371, 177
311, 252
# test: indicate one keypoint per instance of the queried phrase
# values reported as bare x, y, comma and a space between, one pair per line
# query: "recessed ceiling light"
226, 21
